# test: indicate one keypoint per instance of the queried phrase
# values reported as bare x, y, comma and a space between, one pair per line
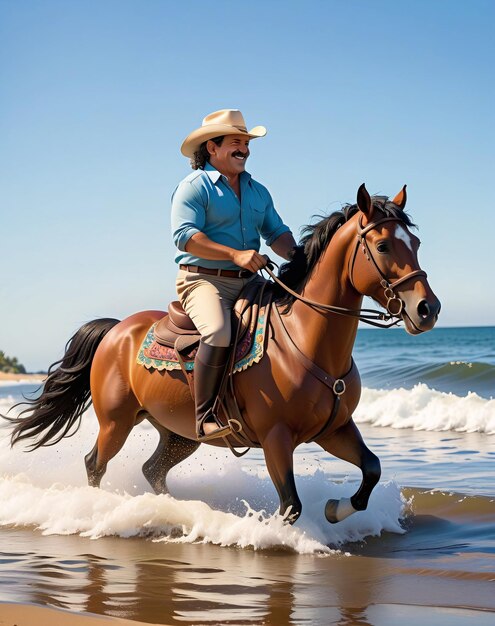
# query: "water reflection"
201, 584
163, 583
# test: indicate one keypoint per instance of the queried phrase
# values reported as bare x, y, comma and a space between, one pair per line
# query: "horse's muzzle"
420, 316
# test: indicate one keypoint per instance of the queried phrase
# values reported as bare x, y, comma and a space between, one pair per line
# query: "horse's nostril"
423, 309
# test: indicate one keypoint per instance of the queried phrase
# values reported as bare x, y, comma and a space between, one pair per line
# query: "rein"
372, 317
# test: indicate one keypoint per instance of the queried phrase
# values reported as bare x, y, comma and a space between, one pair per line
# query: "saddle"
172, 342
177, 330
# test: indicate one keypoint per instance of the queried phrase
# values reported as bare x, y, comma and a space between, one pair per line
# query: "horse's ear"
364, 201
401, 198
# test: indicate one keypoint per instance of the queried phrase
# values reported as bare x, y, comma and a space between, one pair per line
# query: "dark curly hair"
201, 156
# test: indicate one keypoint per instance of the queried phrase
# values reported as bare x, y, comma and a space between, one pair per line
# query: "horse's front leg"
278, 447
347, 444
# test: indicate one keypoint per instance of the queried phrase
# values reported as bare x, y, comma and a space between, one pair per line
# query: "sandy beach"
4, 376
30, 615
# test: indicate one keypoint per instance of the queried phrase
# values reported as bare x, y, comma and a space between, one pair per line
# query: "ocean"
214, 551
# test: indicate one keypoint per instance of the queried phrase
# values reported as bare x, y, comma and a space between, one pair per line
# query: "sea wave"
422, 408
216, 498
90, 512
21, 381
450, 505
442, 522
456, 376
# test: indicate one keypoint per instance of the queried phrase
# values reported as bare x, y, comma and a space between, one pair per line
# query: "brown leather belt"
196, 269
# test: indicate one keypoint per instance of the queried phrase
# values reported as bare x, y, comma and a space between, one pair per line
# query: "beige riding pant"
208, 300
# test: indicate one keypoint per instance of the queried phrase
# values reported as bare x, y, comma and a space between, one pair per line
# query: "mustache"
241, 154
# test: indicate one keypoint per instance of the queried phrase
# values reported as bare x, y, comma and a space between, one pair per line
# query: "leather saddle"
177, 330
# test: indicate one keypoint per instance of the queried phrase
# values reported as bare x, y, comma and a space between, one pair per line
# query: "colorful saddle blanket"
248, 351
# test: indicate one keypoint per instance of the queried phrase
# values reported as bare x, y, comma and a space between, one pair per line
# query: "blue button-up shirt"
205, 202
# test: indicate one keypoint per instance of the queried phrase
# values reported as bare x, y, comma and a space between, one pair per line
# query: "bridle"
388, 287
395, 305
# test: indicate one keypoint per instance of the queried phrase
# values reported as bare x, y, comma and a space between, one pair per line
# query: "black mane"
315, 238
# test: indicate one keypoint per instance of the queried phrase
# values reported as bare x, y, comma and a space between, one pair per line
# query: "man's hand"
250, 260
201, 246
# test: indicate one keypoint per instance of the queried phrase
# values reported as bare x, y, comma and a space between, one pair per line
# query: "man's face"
229, 158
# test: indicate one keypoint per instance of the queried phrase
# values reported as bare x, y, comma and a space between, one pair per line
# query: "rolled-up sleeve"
188, 214
272, 226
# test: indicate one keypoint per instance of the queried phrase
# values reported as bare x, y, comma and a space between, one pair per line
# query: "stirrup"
220, 431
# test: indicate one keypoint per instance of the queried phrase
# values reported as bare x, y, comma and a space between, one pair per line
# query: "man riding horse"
305, 388
219, 215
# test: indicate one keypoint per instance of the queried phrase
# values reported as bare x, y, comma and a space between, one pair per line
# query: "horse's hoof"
337, 510
331, 511
291, 516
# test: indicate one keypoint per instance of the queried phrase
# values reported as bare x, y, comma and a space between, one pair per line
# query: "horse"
305, 388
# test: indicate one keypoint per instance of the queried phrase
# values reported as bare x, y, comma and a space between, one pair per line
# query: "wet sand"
372, 583
30, 615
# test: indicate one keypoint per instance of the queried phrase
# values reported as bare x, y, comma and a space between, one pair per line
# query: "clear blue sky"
97, 96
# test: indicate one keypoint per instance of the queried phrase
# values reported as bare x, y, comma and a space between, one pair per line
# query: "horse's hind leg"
171, 450
279, 450
94, 473
347, 444
117, 415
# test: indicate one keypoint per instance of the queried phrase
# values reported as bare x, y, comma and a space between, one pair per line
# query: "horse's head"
385, 264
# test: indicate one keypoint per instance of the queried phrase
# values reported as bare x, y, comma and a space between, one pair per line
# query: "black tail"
66, 393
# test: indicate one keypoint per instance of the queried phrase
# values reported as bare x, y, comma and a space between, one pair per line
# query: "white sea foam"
22, 381
97, 513
94, 513
422, 408
6, 402
216, 498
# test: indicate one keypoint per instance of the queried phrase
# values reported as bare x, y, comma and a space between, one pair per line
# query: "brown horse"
306, 386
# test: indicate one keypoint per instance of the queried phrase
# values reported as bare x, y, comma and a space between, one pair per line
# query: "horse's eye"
382, 247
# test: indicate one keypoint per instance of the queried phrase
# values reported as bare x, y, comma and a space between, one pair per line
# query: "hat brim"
197, 137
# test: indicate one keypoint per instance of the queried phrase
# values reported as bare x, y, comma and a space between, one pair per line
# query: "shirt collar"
214, 175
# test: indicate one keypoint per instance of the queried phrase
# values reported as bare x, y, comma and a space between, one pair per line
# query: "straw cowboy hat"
223, 122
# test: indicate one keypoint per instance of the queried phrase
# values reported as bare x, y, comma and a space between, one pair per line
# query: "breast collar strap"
338, 386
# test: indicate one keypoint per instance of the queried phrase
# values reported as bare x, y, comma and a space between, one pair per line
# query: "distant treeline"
10, 365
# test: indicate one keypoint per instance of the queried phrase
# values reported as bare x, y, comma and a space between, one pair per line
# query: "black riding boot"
209, 367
